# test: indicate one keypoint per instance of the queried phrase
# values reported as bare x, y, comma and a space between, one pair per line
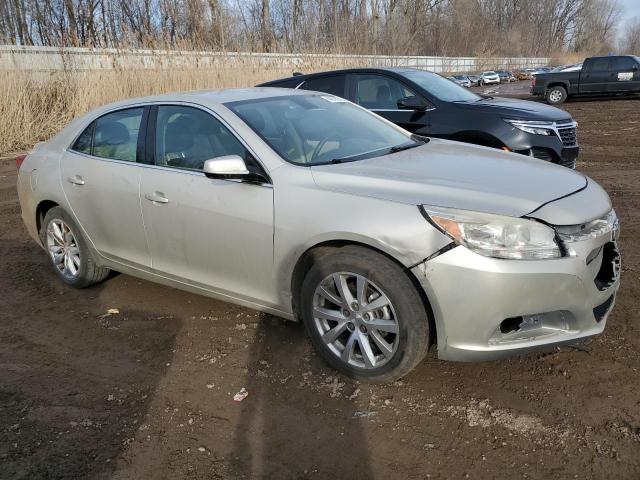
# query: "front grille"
568, 136
610, 268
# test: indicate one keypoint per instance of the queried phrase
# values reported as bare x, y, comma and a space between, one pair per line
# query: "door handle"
76, 180
156, 197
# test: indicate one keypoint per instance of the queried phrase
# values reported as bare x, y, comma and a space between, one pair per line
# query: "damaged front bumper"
486, 308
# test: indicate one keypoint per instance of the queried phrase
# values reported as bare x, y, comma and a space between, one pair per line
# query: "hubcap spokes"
356, 320
63, 248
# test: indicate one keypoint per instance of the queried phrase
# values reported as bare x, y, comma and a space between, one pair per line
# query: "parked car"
489, 78
541, 70
568, 68
505, 76
426, 104
462, 80
306, 206
475, 80
599, 75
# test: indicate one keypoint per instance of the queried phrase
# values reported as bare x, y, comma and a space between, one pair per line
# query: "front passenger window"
377, 92
186, 137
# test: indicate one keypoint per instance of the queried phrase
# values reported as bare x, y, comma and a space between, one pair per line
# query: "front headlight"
496, 236
534, 127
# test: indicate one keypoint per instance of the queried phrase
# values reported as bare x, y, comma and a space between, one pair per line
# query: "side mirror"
229, 166
412, 103
635, 68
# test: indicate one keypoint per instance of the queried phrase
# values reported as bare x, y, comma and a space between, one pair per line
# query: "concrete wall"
51, 59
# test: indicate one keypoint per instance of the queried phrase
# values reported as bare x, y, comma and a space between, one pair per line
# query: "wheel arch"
477, 137
317, 251
564, 85
41, 211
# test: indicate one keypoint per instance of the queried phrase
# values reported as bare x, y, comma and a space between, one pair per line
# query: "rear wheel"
68, 252
364, 315
556, 95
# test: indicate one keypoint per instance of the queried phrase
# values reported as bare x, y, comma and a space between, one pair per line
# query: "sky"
630, 8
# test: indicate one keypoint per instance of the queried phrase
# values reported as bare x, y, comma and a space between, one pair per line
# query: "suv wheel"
556, 95
71, 258
364, 315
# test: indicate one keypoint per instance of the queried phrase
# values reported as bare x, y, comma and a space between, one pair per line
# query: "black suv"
427, 104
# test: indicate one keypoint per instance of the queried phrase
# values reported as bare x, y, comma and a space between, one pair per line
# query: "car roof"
302, 78
212, 97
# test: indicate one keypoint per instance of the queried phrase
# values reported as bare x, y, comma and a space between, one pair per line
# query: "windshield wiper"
405, 146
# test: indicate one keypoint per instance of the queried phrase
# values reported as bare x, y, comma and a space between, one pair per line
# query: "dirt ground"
148, 392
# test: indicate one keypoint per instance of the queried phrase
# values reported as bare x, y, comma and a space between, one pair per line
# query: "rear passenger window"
333, 84
116, 135
599, 65
85, 140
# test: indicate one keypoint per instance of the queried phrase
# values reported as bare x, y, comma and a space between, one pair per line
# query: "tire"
88, 272
407, 346
556, 95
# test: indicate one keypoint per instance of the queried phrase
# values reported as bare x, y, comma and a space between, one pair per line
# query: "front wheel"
68, 251
556, 95
364, 315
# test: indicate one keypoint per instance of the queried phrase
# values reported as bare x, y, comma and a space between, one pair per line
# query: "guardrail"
14, 57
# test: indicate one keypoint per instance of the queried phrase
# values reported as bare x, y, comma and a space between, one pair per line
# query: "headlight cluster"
534, 127
496, 236
608, 224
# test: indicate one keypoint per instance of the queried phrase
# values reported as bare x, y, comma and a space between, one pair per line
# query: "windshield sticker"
333, 99
625, 76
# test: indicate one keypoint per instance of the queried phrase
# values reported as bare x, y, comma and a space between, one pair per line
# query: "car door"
100, 176
212, 233
625, 75
595, 76
381, 93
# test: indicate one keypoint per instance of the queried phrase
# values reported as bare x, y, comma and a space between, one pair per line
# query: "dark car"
612, 75
427, 104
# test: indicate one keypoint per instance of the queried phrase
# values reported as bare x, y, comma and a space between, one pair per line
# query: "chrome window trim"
68, 149
164, 168
398, 109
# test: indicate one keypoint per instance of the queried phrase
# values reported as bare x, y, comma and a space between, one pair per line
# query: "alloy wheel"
356, 320
63, 248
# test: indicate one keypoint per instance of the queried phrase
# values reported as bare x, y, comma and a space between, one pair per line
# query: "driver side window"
377, 92
186, 137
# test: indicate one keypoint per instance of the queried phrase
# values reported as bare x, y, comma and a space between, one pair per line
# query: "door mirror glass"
228, 166
412, 103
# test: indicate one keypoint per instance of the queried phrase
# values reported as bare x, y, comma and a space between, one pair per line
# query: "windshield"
441, 88
317, 129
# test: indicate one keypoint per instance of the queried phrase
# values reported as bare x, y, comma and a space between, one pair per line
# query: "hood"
516, 109
455, 175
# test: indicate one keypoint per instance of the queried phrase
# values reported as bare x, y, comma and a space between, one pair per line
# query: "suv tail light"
19, 160
533, 81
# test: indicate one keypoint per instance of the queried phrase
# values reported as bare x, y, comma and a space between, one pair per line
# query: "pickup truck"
598, 76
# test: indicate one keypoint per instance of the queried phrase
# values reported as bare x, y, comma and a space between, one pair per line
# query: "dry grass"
36, 105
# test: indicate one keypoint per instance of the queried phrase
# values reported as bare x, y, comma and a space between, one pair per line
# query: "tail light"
533, 81
19, 160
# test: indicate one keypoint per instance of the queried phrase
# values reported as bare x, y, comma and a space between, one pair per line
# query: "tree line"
393, 27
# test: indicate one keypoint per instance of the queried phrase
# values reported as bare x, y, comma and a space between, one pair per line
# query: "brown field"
147, 393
